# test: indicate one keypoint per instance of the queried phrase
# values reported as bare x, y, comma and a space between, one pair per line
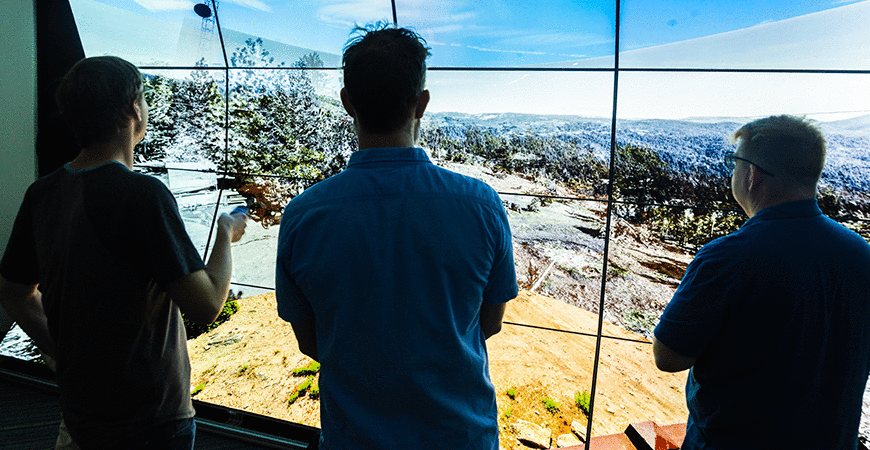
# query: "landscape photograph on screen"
601, 124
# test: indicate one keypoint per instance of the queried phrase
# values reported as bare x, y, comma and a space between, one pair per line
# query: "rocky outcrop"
532, 435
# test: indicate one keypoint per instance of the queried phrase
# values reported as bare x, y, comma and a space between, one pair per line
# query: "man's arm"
23, 303
201, 294
307, 338
668, 360
491, 316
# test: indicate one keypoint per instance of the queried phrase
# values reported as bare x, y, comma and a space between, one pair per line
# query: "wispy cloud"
521, 52
519, 79
420, 14
462, 23
252, 4
179, 5
498, 50
442, 29
562, 38
165, 5
844, 2
351, 12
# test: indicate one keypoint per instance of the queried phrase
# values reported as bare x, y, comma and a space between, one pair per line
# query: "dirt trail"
247, 362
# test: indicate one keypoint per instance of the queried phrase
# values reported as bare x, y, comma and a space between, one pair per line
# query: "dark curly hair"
384, 74
96, 97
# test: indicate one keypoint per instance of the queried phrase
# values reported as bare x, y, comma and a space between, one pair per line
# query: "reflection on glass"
744, 34
514, 33
294, 29
147, 33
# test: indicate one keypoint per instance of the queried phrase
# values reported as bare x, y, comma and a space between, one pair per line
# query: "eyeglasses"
731, 162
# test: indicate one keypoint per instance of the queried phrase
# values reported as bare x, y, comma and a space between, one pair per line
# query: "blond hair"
792, 148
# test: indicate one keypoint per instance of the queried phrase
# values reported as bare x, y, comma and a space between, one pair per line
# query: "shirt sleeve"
170, 254
293, 306
19, 264
695, 314
502, 286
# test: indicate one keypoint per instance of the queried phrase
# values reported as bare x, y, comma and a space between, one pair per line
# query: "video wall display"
612, 175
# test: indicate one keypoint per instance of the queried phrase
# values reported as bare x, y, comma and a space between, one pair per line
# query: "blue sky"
493, 32
774, 34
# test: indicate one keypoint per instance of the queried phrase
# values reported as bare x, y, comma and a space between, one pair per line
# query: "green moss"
197, 389
292, 398
242, 370
195, 329
581, 399
302, 387
310, 369
550, 405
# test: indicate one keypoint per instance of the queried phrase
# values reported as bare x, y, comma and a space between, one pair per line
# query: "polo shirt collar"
789, 210
389, 154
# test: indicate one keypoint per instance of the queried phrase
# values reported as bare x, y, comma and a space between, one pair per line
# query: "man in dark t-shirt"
98, 269
773, 319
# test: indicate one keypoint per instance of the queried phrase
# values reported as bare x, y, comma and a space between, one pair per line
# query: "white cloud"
351, 12
484, 49
178, 5
442, 29
165, 5
519, 79
419, 14
252, 4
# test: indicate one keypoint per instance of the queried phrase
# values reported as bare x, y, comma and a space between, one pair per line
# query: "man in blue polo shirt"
395, 271
773, 319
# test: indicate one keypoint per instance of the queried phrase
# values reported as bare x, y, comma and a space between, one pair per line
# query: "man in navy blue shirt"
394, 272
773, 319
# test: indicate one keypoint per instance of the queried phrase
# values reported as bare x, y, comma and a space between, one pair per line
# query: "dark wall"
58, 48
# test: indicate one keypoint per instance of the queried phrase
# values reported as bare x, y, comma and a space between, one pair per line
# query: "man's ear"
422, 102
345, 101
755, 177
137, 109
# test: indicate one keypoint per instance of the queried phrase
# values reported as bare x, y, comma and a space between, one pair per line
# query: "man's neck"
778, 200
405, 136
381, 141
119, 148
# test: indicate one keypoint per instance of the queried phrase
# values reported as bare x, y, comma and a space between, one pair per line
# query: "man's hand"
235, 224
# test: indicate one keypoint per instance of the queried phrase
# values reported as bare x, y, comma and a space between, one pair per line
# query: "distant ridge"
687, 145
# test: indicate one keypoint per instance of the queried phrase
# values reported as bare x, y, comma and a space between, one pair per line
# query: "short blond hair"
788, 146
